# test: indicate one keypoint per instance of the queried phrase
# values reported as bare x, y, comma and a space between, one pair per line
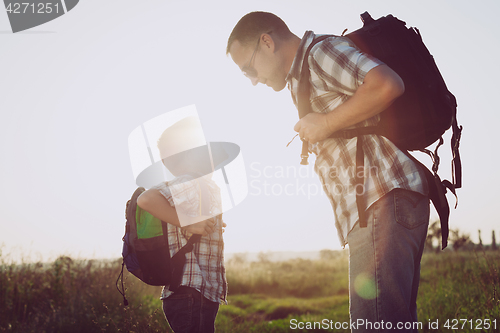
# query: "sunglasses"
248, 70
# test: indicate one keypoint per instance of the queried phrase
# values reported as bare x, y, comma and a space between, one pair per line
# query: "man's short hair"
253, 24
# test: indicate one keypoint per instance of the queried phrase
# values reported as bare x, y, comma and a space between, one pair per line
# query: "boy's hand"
203, 228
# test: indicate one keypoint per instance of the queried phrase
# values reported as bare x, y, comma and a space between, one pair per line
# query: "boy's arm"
157, 205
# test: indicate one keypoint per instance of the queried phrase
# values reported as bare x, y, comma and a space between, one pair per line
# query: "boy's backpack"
416, 119
146, 251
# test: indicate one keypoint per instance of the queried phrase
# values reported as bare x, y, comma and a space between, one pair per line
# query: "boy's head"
178, 146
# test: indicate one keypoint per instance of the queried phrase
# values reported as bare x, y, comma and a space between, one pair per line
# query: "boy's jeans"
188, 311
384, 263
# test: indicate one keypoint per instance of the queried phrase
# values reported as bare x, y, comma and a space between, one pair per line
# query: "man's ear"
268, 42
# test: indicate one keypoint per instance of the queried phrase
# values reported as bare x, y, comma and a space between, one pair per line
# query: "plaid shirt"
204, 269
337, 69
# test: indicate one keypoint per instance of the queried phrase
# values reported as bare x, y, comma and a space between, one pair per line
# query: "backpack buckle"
304, 159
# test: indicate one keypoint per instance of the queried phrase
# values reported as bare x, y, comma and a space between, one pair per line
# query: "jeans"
188, 311
384, 263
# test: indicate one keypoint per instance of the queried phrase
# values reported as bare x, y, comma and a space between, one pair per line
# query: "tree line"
458, 240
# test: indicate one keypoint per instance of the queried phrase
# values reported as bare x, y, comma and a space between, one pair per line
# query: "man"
350, 89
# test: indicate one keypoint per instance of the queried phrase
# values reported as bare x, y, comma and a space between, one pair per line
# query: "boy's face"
195, 160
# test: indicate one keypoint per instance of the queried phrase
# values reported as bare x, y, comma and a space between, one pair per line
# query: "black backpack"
416, 119
146, 252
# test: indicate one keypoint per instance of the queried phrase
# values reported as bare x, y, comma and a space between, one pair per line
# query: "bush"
75, 296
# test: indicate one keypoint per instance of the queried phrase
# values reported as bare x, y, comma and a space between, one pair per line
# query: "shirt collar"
299, 56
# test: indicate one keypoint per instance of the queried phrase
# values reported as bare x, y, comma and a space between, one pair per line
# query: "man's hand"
380, 88
313, 127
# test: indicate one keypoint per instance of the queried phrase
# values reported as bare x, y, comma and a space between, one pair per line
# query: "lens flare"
365, 287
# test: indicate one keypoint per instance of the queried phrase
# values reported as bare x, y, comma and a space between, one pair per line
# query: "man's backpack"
146, 252
416, 119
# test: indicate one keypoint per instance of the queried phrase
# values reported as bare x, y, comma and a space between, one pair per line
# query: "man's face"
260, 62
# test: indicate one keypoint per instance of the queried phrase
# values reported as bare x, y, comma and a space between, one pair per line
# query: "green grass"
80, 295
298, 278
460, 285
259, 313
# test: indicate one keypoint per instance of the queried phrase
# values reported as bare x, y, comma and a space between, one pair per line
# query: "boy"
194, 305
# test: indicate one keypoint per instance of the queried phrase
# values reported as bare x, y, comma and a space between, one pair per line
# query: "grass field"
80, 296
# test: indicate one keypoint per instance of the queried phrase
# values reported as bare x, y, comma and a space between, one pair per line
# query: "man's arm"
381, 86
157, 205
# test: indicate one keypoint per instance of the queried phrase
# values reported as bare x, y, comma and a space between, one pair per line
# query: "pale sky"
74, 88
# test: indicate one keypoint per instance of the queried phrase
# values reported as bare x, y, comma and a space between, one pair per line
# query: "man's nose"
254, 80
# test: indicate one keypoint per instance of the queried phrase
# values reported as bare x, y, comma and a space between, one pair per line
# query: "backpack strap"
303, 94
437, 191
179, 259
456, 162
360, 180
304, 107
437, 187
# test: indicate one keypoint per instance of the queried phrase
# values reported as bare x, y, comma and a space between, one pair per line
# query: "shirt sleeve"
165, 191
336, 65
181, 193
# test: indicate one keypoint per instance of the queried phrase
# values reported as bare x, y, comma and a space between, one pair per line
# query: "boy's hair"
183, 148
185, 134
253, 24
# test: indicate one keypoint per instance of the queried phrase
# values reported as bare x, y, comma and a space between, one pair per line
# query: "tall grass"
293, 278
460, 285
80, 295
74, 296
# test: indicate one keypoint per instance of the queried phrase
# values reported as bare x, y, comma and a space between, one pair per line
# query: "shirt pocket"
411, 208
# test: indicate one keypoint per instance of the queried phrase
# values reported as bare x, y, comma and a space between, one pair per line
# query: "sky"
73, 89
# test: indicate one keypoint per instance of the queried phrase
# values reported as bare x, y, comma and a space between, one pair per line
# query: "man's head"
264, 48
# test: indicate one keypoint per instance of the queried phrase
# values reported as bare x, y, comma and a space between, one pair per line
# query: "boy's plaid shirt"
337, 69
204, 269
